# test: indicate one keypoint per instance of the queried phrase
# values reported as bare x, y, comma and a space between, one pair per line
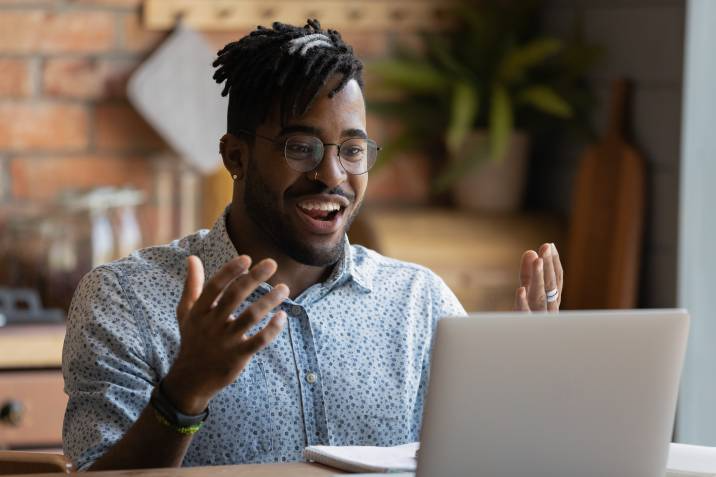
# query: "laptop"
580, 394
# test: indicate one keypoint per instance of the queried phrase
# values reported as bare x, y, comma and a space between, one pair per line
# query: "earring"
234, 177
315, 176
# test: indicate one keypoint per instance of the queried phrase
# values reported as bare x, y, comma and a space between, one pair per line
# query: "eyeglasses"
304, 153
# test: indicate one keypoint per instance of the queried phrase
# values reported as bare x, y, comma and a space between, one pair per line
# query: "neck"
249, 240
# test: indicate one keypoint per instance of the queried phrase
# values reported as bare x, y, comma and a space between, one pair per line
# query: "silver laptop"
580, 394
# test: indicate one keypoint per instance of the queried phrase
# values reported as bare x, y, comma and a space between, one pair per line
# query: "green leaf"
546, 100
440, 48
522, 58
465, 103
501, 122
410, 76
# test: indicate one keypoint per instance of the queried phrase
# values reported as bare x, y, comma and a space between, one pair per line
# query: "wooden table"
248, 470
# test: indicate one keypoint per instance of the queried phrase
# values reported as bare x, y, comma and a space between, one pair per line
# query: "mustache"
320, 189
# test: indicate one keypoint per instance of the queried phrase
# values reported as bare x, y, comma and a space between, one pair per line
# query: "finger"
261, 339
238, 291
536, 295
550, 279
192, 287
228, 273
526, 265
256, 312
558, 271
521, 300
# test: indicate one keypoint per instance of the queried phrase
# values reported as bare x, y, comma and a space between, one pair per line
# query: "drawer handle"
11, 413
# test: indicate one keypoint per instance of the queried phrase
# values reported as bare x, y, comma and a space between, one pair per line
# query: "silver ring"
552, 295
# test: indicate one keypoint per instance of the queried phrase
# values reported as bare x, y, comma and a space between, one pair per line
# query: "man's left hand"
541, 279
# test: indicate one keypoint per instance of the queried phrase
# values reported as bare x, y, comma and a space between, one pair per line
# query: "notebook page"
365, 458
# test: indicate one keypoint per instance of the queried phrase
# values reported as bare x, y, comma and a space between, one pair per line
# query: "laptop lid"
578, 394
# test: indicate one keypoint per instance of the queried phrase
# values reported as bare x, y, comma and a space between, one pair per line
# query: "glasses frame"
284, 142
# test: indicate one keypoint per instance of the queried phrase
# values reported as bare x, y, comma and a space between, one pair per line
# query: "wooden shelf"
339, 14
31, 346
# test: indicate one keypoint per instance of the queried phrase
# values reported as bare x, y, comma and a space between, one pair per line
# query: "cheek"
274, 173
359, 185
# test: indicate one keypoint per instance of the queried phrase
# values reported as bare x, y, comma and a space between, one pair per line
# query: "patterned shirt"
349, 368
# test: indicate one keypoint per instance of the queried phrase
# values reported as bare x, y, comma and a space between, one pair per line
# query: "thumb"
192, 287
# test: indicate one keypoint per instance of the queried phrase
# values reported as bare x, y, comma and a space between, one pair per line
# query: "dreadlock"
284, 62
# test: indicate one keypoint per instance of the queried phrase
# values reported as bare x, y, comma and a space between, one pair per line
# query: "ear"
234, 152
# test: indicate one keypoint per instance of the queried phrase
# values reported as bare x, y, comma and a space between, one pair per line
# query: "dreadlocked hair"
285, 63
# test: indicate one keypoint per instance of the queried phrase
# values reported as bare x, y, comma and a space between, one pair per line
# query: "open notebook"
365, 458
684, 460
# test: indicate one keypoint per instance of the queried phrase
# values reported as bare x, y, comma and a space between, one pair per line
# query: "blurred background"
504, 124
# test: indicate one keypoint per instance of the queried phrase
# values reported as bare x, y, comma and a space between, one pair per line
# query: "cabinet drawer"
42, 403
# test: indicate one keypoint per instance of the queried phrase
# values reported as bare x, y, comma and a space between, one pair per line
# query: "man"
186, 354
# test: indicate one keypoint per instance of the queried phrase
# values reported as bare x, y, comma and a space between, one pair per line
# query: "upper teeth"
312, 205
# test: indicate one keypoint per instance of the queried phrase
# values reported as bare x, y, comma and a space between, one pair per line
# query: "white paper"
365, 458
689, 460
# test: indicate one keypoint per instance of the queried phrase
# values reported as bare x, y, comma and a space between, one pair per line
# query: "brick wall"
65, 121
64, 118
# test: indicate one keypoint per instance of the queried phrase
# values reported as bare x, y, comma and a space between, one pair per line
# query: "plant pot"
494, 186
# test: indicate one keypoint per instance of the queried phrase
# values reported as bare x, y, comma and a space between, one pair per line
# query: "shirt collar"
218, 249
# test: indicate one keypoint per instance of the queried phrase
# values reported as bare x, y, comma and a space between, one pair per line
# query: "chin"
317, 255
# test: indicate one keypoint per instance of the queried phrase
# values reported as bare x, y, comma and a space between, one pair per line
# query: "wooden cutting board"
605, 238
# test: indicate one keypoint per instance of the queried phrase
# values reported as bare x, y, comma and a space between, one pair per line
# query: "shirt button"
295, 310
311, 377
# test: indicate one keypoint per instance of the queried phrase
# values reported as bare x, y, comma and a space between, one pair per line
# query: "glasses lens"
358, 155
303, 153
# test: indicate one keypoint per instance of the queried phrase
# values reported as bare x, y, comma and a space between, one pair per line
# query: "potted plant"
476, 92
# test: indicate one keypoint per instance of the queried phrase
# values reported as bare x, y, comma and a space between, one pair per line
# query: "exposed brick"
121, 128
45, 31
42, 126
84, 78
14, 78
137, 39
42, 178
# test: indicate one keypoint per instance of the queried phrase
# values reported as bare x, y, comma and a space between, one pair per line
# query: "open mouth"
321, 216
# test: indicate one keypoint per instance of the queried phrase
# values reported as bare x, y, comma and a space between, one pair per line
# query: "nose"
330, 170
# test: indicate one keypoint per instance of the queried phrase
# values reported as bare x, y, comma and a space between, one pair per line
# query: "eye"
300, 150
352, 151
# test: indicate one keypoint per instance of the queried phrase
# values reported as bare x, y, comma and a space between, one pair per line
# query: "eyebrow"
286, 130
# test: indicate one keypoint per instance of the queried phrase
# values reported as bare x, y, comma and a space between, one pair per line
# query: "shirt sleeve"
445, 303
107, 378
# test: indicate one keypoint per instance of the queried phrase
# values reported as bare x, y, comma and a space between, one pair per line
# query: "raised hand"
541, 280
214, 346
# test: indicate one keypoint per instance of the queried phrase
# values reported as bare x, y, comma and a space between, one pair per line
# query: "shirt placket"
309, 374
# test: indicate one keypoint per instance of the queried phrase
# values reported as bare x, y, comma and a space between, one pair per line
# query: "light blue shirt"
350, 367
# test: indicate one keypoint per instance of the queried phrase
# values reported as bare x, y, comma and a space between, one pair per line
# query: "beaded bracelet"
187, 430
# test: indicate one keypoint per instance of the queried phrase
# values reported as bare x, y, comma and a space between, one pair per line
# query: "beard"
264, 210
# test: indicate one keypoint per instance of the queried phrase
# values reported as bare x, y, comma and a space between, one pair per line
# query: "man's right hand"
214, 346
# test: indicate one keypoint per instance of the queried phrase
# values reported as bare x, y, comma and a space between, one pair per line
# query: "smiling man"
186, 354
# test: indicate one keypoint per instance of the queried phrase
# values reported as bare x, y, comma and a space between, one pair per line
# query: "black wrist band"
173, 416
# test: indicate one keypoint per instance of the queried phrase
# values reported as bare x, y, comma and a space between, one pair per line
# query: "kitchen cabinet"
32, 400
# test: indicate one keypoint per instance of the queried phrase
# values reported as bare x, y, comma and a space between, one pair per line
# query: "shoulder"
168, 259
369, 263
